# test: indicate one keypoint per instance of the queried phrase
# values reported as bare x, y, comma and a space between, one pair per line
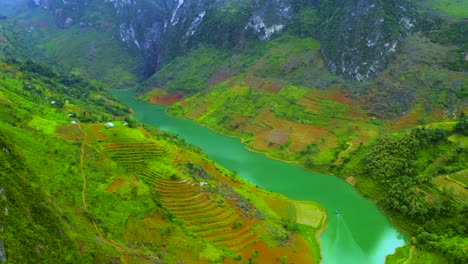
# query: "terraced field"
197, 207
205, 214
133, 156
459, 192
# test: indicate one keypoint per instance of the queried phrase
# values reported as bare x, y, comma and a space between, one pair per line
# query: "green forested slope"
419, 178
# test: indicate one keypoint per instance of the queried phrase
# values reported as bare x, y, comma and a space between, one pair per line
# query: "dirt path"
83, 194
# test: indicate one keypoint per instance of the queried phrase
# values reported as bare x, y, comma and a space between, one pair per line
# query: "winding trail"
83, 194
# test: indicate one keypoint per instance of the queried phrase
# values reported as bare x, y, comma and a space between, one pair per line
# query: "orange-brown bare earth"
69, 132
198, 111
116, 184
161, 97
221, 75
409, 120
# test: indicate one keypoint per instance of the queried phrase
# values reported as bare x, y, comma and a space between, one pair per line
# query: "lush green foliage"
403, 168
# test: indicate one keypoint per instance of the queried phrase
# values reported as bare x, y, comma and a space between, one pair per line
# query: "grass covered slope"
76, 189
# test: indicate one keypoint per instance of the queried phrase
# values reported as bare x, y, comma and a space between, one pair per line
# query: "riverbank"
362, 223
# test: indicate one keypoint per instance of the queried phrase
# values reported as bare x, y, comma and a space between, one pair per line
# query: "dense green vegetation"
405, 173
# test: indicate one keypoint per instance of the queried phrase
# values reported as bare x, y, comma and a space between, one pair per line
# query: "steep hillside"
89, 48
360, 37
280, 99
81, 180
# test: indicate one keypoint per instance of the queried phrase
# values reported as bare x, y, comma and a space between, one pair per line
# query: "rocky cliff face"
358, 36
164, 28
66, 13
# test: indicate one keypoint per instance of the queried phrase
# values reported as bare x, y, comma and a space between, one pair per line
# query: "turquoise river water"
359, 234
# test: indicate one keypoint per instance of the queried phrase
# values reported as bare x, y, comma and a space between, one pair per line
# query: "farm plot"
133, 157
218, 223
459, 192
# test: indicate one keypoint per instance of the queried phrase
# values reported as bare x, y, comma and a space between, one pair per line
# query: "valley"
133, 194
154, 131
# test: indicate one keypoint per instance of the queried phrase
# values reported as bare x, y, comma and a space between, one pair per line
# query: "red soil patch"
438, 114
198, 111
309, 103
300, 135
406, 121
116, 184
339, 97
265, 84
94, 133
161, 97
70, 132
221, 76
277, 136
297, 251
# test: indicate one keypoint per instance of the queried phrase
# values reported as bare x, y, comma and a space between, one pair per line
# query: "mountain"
359, 36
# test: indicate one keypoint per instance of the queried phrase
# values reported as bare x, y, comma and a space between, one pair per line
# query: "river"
359, 234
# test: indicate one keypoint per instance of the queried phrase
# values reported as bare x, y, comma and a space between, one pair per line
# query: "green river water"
359, 234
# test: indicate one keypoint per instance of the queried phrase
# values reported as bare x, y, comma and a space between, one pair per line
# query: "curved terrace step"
233, 238
240, 245
211, 210
228, 233
182, 192
176, 184
202, 197
181, 187
177, 208
178, 196
223, 215
215, 226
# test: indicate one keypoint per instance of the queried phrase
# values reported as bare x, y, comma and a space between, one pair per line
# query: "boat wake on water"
344, 242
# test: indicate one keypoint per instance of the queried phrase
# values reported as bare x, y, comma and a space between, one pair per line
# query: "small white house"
110, 124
